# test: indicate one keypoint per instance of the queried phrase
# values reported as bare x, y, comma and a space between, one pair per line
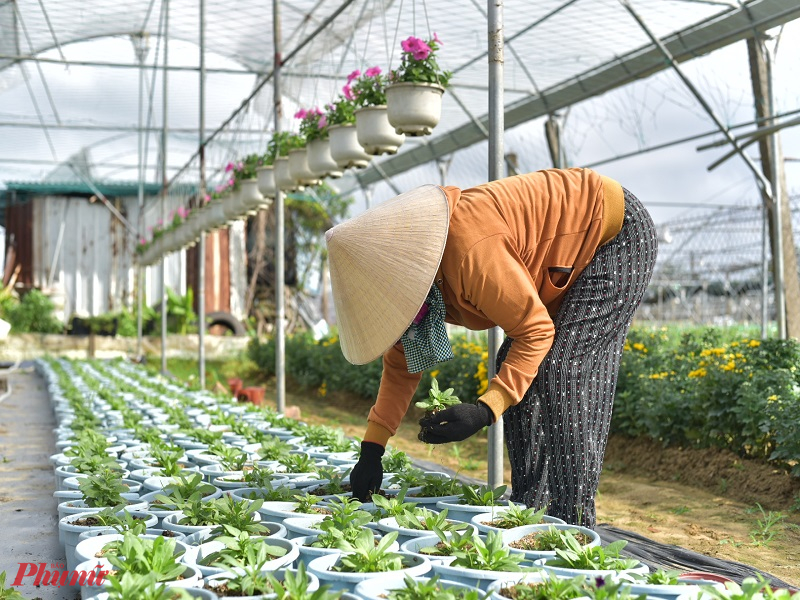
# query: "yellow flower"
772, 398
701, 372
323, 389
754, 343
729, 366
639, 346
483, 386
434, 373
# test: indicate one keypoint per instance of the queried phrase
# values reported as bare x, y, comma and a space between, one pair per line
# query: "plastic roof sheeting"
75, 105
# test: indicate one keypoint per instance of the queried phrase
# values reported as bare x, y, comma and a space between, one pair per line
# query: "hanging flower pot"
234, 206
283, 178
345, 149
266, 181
414, 108
299, 169
216, 216
320, 160
251, 197
375, 133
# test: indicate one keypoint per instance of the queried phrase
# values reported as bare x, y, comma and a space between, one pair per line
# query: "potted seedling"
73, 526
264, 489
301, 504
344, 513
418, 588
156, 557
667, 584
591, 561
441, 546
437, 399
363, 559
475, 500
419, 522
551, 587
540, 541
253, 582
214, 556
345, 523
335, 485
132, 586
515, 515
482, 563
395, 460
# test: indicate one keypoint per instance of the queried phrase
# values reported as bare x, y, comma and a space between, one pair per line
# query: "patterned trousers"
556, 436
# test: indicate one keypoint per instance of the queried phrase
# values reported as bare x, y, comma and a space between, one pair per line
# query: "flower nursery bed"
132, 415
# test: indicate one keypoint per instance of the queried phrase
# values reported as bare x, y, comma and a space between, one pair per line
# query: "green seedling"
437, 399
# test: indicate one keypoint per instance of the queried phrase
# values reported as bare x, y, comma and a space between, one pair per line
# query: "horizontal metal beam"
118, 65
132, 128
730, 27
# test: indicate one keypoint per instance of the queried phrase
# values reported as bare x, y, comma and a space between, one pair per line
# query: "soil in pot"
545, 540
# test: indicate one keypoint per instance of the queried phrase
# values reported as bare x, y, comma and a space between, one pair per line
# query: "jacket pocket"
555, 281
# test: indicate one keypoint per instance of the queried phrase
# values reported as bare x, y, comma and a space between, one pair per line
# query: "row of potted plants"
162, 486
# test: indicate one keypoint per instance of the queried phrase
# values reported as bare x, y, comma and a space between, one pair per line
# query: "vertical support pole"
496, 164
201, 194
141, 48
765, 271
777, 217
164, 184
280, 298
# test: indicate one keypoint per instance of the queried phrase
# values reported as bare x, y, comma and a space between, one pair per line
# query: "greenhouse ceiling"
74, 102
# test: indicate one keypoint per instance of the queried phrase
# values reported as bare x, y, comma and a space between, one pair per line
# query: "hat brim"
382, 265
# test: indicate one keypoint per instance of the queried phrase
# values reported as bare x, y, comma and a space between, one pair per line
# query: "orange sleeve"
394, 396
496, 281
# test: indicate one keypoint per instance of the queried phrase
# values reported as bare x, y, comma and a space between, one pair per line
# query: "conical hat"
382, 265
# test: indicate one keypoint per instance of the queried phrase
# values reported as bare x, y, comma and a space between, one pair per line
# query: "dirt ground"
702, 500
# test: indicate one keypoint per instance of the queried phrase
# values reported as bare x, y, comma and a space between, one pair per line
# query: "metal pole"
141, 48
201, 194
777, 218
496, 164
165, 184
764, 272
280, 300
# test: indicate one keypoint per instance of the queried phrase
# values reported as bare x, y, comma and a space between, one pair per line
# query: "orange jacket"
514, 246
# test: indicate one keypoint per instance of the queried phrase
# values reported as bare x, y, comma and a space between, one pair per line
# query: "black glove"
367, 474
455, 423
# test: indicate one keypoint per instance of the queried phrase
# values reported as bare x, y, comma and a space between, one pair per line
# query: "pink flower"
436, 39
231, 182
207, 198
418, 49
423, 52
182, 212
160, 223
408, 44
142, 241
348, 92
301, 114
372, 72
353, 75
220, 188
229, 167
323, 122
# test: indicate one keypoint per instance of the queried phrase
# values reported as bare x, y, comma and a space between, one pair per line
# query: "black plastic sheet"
657, 555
